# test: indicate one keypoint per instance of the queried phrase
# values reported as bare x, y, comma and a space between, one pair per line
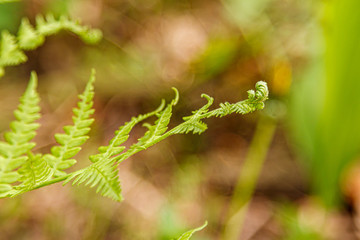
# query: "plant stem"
248, 177
52, 181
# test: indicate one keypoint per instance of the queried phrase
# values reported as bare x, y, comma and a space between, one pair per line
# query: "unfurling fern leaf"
29, 38
254, 102
111, 155
18, 164
13, 152
75, 135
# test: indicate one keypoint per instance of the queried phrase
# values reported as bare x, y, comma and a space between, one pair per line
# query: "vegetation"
289, 171
32, 171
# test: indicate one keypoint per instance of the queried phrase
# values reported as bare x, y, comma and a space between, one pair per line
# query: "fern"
13, 151
22, 171
75, 135
29, 38
157, 132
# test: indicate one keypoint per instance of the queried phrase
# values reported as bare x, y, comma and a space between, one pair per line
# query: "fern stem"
52, 181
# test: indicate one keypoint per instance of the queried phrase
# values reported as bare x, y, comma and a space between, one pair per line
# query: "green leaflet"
13, 152
10, 52
193, 123
187, 235
155, 132
35, 171
29, 38
104, 175
121, 135
75, 135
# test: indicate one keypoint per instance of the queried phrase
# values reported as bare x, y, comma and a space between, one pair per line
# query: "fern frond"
254, 102
13, 151
75, 135
29, 38
187, 235
193, 123
160, 126
38, 171
10, 52
104, 175
154, 133
49, 26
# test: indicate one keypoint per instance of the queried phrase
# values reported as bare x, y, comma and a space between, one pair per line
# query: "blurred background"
300, 152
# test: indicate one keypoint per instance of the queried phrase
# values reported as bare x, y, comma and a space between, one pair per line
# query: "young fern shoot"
22, 171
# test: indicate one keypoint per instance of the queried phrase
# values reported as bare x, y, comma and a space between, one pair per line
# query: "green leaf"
34, 172
10, 52
155, 132
75, 135
17, 144
193, 123
102, 174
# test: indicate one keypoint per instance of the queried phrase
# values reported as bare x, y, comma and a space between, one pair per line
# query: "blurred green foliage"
10, 15
295, 226
326, 109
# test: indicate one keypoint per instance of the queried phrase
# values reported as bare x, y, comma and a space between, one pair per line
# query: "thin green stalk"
52, 181
248, 177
